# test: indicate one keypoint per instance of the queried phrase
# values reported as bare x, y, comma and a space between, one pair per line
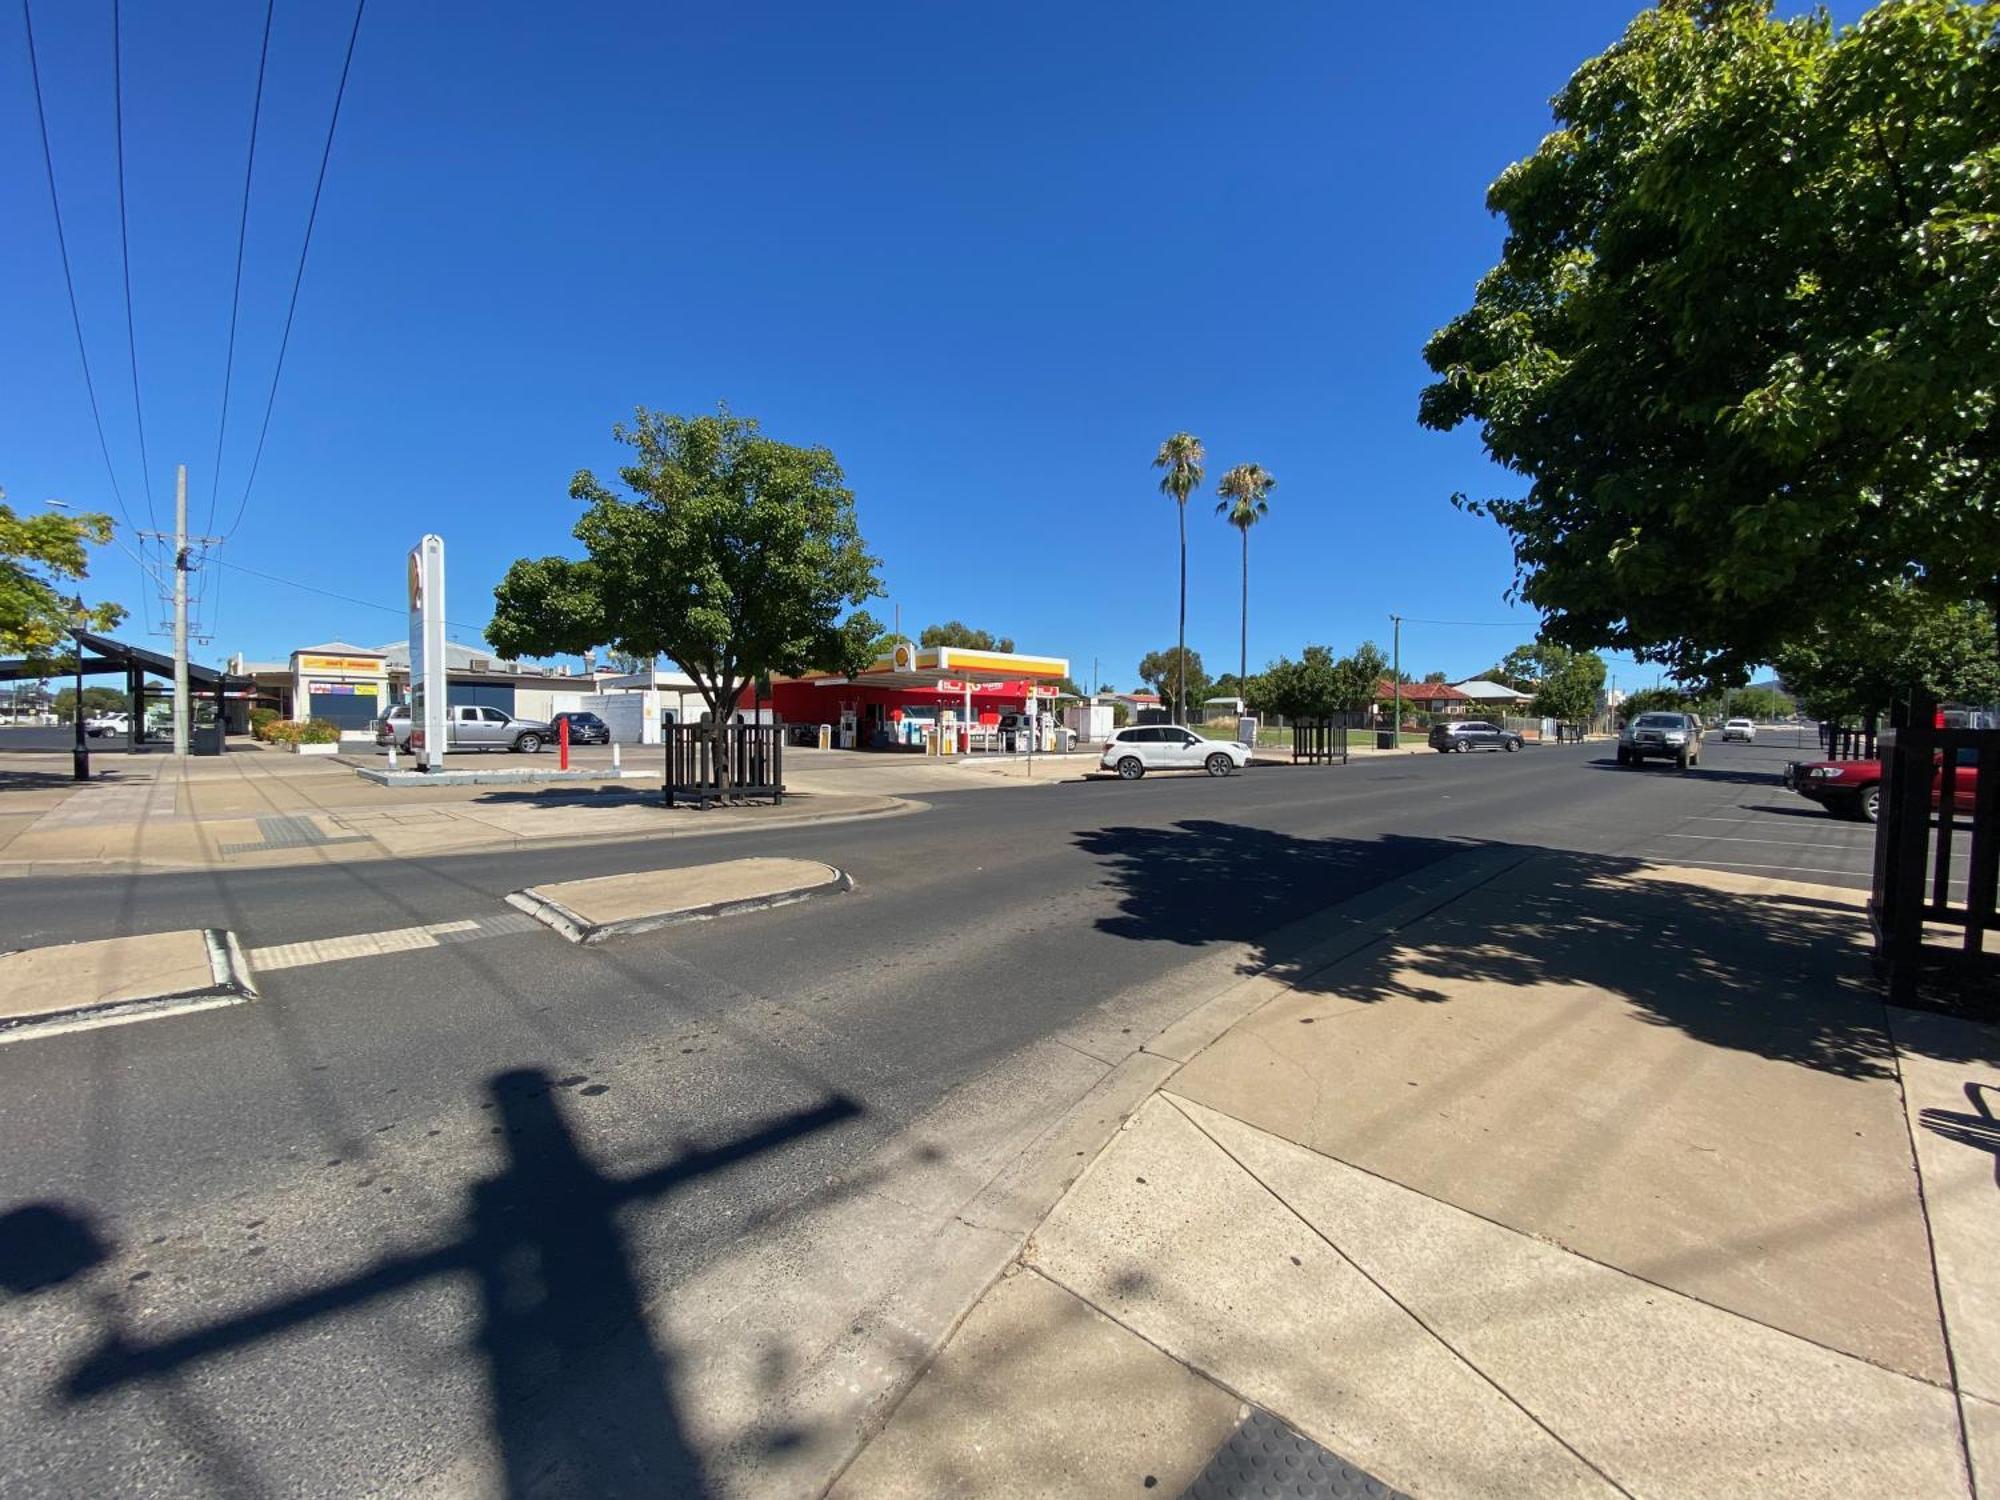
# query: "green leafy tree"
1181, 456
1659, 700
1858, 667
1243, 505
1436, 679
1359, 677
1757, 702
1309, 688
1571, 686
734, 555
96, 700
957, 633
856, 646
1176, 674
42, 558
1740, 339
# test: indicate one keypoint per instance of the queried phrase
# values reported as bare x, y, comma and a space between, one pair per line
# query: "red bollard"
562, 739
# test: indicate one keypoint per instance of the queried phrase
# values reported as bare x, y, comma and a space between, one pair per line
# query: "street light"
80, 757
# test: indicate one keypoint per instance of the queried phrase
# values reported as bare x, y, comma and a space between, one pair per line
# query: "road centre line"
392, 940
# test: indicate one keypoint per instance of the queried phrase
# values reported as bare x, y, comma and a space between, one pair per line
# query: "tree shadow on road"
1786, 977
581, 1397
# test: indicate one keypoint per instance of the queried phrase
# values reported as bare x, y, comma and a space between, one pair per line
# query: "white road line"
392, 940
1731, 864
1718, 838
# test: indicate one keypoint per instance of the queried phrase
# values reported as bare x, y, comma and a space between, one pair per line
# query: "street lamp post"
80, 757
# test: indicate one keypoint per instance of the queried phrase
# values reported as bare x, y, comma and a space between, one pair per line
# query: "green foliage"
734, 555
1571, 687
1069, 685
1903, 640
957, 633
1660, 700
1121, 715
1740, 341
1157, 671
855, 646
311, 732
1243, 490
1358, 675
1436, 679
1317, 686
1181, 458
96, 700
1757, 703
42, 557
261, 720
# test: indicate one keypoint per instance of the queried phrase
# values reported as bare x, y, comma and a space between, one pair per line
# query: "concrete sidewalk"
259, 808
1598, 1180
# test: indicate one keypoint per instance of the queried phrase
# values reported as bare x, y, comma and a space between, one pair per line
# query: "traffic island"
76, 985
588, 911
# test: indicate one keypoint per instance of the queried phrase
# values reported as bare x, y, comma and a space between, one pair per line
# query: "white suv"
1141, 748
1739, 729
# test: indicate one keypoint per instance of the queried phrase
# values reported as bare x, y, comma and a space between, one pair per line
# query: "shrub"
312, 732
261, 720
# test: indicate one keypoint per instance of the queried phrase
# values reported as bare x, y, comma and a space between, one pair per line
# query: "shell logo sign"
904, 657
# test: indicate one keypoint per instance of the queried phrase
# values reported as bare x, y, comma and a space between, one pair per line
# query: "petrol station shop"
936, 699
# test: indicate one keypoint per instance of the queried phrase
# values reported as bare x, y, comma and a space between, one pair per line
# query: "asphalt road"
279, 1247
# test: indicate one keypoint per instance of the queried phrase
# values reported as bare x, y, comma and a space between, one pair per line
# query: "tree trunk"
1243, 621
1180, 657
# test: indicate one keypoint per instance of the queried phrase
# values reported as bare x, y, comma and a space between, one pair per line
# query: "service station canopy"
951, 669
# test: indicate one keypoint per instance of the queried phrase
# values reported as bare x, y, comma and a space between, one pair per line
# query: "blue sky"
989, 256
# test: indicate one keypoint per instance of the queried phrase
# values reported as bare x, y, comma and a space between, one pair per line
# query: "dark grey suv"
1472, 734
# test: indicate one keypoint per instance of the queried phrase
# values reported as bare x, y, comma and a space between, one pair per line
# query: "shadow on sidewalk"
580, 1396
1787, 978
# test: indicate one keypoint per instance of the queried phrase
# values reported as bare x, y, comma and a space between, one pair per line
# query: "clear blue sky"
989, 256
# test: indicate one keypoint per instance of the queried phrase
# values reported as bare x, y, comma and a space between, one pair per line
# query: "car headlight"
1675, 737
1827, 773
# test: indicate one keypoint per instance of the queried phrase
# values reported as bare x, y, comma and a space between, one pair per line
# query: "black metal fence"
1319, 742
1848, 742
1937, 855
745, 762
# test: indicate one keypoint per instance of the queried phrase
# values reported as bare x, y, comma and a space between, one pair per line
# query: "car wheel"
1512, 746
1461, 747
528, 744
1682, 761
1868, 806
1131, 768
1220, 765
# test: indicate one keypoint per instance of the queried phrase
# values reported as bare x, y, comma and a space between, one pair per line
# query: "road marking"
1731, 864
392, 940
1719, 838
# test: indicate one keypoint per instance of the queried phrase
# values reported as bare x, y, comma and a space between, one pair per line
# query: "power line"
1475, 624
284, 341
125, 251
69, 282
313, 588
236, 288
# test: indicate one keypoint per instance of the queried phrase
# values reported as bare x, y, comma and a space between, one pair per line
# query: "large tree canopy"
1161, 670
1862, 664
735, 555
958, 633
40, 557
1741, 340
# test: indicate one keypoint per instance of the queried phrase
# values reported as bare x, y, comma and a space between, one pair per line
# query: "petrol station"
939, 700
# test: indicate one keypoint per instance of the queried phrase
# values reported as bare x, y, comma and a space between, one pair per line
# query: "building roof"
1492, 692
462, 658
338, 648
1427, 692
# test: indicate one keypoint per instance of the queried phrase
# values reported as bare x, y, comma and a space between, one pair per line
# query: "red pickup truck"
1853, 788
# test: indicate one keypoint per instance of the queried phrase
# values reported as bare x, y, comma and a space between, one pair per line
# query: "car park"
1139, 748
584, 728
1739, 729
1660, 736
1461, 735
469, 726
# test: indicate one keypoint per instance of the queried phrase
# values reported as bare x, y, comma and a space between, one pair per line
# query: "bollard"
392, 752
562, 743
614, 759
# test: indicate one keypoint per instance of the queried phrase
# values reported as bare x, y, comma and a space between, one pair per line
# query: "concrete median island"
587, 911
76, 985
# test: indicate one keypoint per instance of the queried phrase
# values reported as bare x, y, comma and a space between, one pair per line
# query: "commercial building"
351, 685
920, 697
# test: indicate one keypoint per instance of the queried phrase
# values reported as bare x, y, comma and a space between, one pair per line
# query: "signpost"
428, 664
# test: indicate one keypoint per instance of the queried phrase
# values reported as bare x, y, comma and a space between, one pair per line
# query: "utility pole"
181, 610
1396, 671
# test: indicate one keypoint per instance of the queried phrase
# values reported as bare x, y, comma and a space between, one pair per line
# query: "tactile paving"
1263, 1459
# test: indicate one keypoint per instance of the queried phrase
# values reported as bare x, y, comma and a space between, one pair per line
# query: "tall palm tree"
1181, 456
1243, 490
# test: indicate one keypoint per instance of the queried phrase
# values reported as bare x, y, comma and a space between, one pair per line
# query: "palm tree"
1181, 456
1243, 490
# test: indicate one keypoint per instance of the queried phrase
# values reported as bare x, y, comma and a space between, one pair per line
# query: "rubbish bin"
1385, 739
205, 739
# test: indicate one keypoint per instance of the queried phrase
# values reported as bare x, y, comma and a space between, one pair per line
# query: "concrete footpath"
255, 807
1598, 1180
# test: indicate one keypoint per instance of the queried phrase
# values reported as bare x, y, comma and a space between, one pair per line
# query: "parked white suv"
1134, 751
1739, 729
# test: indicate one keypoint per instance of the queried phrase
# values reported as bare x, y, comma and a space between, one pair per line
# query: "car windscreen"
1659, 721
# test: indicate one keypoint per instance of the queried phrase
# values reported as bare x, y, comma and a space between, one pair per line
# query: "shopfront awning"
949, 669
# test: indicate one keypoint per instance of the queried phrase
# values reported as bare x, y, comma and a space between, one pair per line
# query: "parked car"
116, 722
1661, 736
1461, 735
1853, 788
469, 726
584, 728
1013, 726
1739, 729
1140, 748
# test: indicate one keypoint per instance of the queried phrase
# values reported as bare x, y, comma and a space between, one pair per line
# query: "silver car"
470, 726
1661, 736
1134, 751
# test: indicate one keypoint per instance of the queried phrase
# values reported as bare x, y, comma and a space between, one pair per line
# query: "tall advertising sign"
428, 664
